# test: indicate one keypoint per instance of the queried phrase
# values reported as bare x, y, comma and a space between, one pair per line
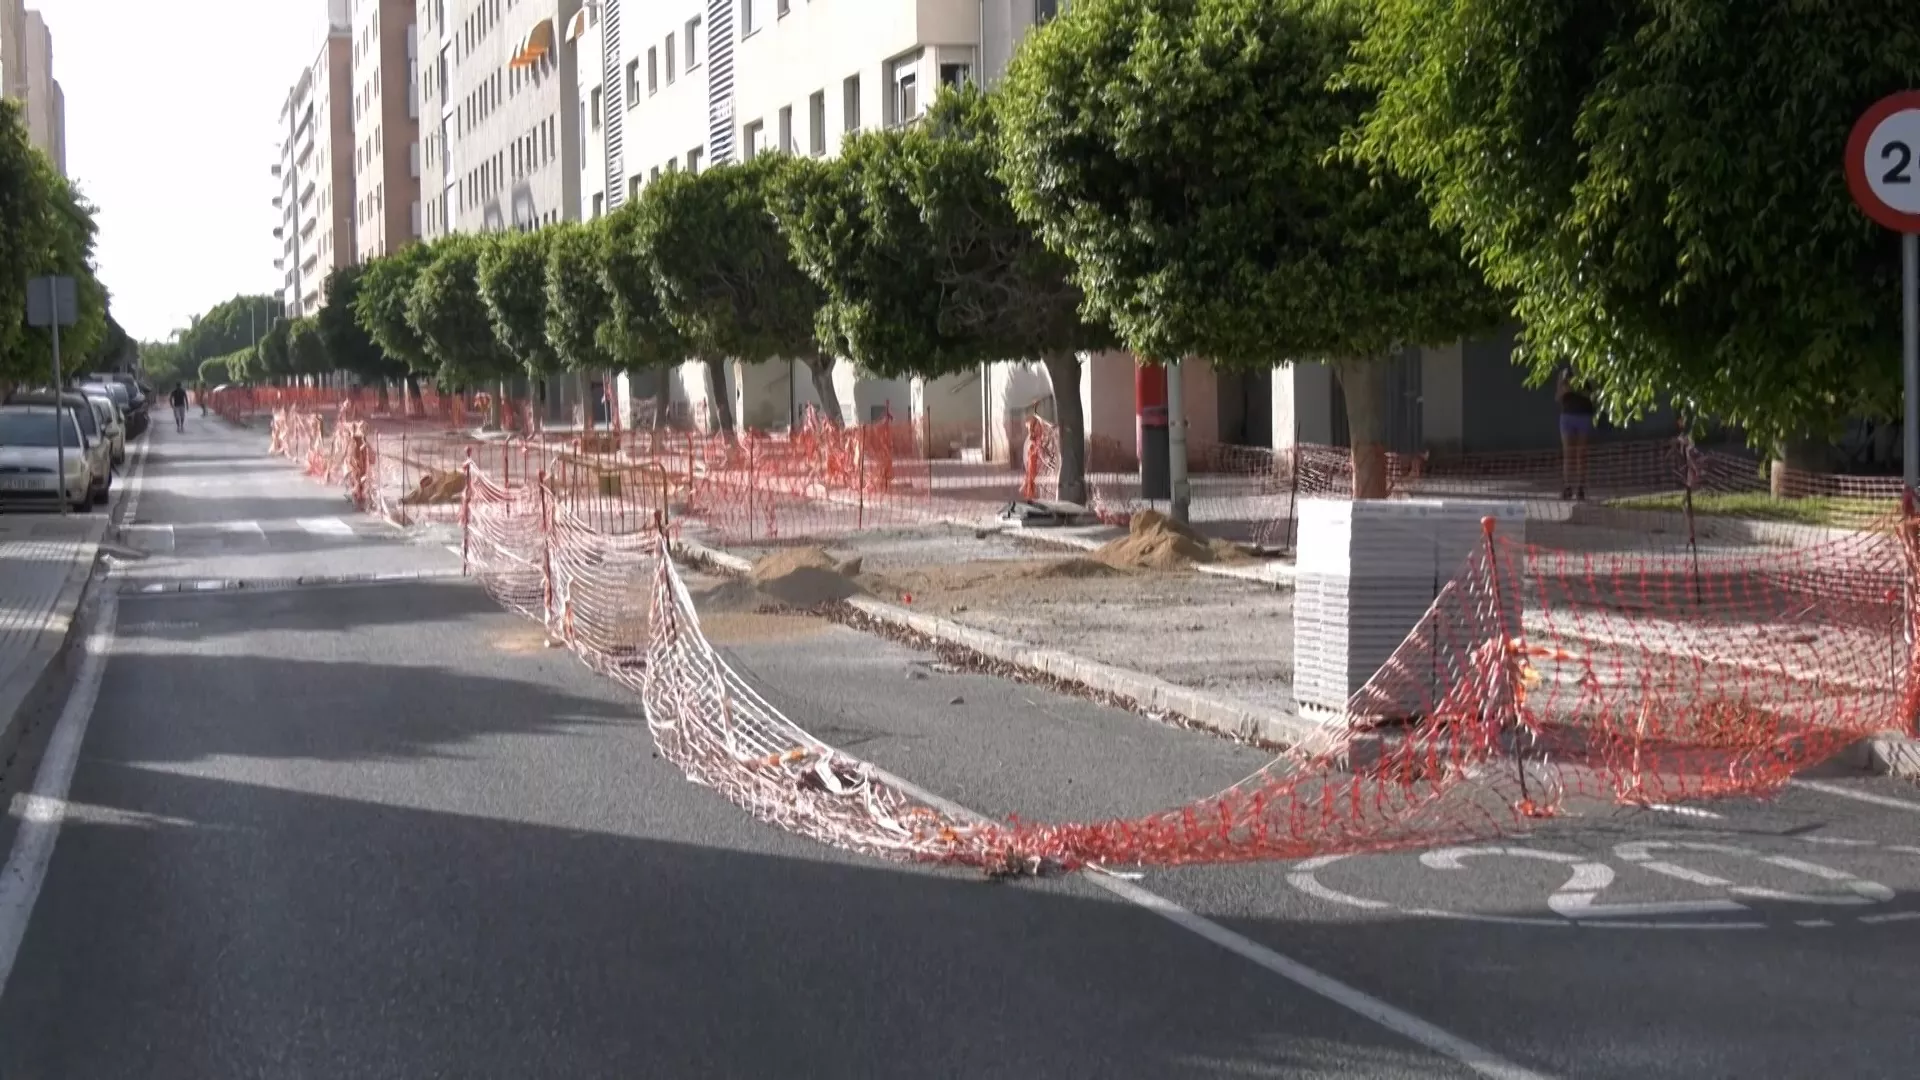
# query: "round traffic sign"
1883, 161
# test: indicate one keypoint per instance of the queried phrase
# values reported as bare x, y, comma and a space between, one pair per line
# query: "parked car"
122, 398
111, 422
30, 438
137, 403
98, 451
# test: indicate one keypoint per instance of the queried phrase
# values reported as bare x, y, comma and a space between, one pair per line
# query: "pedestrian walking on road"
1576, 429
179, 399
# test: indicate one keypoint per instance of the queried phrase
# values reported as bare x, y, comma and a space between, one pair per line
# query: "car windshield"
33, 429
89, 423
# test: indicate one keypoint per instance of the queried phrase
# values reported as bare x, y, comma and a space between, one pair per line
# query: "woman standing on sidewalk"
1576, 429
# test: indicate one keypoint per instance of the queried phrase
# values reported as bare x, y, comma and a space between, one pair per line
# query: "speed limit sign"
1883, 162
1883, 171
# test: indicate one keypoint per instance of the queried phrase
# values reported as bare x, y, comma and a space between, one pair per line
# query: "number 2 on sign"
1902, 157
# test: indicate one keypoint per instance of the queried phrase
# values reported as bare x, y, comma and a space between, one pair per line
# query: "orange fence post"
466, 509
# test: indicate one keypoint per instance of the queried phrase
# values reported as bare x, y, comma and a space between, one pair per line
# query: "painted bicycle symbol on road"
1823, 895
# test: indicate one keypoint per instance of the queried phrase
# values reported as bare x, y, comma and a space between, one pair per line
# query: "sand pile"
799, 578
1155, 541
1062, 569
437, 487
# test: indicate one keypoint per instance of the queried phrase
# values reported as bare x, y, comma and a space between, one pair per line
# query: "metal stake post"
59, 432
1910, 288
1182, 493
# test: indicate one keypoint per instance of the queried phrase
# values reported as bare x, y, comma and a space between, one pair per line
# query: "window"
750, 139
633, 184
952, 75
1045, 10
653, 70
850, 104
692, 37
594, 107
693, 160
782, 8
905, 103
633, 83
747, 22
599, 204
786, 129
817, 123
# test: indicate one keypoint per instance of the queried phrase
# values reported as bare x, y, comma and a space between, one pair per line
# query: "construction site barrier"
1539, 682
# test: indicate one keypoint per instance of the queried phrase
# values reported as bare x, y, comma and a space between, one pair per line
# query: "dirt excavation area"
1136, 603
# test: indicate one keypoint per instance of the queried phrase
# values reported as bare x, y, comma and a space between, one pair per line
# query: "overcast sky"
172, 125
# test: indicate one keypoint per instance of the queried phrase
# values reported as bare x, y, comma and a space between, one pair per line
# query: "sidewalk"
45, 562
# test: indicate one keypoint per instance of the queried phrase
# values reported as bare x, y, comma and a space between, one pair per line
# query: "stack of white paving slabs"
1367, 573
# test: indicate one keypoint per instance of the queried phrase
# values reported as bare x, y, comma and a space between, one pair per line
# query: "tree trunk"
717, 398
496, 406
1803, 454
1063, 373
415, 404
662, 394
820, 372
1364, 383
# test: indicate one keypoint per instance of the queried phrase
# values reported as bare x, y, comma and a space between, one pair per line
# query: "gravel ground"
1191, 629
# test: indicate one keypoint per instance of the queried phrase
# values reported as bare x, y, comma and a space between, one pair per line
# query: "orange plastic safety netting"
1540, 681
1536, 684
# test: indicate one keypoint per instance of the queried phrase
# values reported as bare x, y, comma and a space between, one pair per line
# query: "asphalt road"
379, 831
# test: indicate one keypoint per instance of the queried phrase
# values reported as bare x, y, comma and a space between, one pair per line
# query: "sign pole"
1910, 285
59, 430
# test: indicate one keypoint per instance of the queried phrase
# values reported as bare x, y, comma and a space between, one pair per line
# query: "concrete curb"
1706, 526
214, 585
1202, 709
1893, 755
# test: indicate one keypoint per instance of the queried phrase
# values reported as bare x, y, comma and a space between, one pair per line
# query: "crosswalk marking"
242, 527
331, 526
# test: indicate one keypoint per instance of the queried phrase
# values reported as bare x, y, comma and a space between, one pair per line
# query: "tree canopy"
347, 342
578, 304
446, 310
306, 349
512, 276
725, 273
1660, 186
1183, 155
926, 268
380, 305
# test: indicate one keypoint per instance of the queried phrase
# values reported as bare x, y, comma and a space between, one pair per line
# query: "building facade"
501, 98
387, 212
46, 111
316, 170
26, 76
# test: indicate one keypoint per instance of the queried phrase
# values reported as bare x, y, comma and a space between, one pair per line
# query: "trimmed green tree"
348, 342
928, 271
212, 372
724, 272
1182, 153
639, 333
512, 275
306, 350
1660, 185
446, 310
380, 306
273, 357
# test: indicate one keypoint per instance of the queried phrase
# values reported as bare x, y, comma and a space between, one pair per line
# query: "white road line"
242, 527
332, 526
1440, 1041
1844, 792
45, 807
1891, 916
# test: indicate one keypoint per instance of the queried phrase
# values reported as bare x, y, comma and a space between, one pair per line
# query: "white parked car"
99, 454
112, 424
30, 458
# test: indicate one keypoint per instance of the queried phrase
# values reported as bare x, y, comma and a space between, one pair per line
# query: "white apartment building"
316, 170
26, 76
46, 102
681, 84
501, 103
387, 213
